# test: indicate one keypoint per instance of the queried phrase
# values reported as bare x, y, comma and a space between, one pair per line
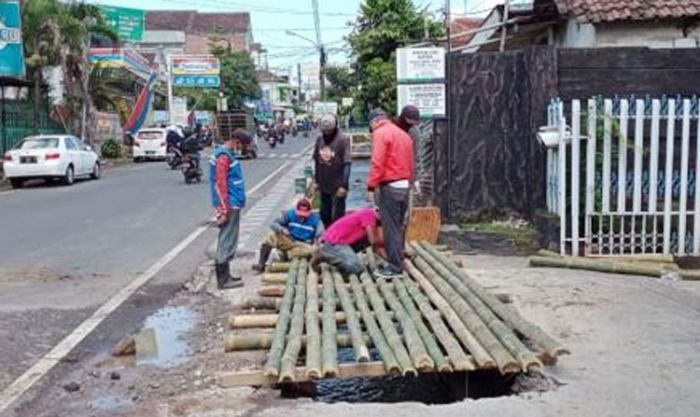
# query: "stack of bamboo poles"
652, 265
435, 318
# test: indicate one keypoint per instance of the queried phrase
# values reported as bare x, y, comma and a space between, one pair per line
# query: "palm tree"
58, 34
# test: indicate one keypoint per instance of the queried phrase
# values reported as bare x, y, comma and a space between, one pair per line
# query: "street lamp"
322, 61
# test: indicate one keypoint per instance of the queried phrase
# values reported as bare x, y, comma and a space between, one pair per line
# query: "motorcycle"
271, 138
173, 156
295, 132
190, 168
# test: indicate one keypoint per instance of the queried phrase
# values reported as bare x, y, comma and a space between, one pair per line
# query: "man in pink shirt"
344, 238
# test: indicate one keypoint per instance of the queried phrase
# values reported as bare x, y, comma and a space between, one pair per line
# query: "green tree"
239, 79
198, 98
57, 34
381, 27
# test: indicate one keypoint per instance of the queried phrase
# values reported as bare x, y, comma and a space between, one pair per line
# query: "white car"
49, 157
150, 144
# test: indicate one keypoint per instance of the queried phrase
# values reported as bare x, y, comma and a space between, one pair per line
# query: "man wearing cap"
293, 233
391, 173
332, 159
228, 198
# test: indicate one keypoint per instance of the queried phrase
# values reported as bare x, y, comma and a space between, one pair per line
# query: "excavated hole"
430, 388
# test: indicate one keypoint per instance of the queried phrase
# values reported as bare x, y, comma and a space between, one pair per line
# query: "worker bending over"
343, 239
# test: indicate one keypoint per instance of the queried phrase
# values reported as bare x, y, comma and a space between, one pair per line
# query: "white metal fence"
622, 176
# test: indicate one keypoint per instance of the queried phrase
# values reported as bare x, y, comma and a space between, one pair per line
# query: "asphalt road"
66, 250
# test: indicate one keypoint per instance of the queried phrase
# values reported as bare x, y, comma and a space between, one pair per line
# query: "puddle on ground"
357, 196
109, 403
162, 342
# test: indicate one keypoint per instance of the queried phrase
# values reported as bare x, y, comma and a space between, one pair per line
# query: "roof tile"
596, 11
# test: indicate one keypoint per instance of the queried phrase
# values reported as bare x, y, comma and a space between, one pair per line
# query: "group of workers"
330, 236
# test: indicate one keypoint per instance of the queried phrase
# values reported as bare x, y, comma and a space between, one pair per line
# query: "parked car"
150, 144
50, 157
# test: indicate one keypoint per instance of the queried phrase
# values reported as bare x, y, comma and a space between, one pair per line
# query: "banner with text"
11, 51
195, 71
420, 73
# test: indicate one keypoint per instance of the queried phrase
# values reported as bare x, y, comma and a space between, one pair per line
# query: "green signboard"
128, 23
11, 53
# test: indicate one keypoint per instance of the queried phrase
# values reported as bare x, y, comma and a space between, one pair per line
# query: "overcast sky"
271, 19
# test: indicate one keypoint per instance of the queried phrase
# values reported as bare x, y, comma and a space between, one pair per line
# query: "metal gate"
622, 175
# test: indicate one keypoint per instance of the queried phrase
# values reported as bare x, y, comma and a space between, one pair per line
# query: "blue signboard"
212, 81
11, 53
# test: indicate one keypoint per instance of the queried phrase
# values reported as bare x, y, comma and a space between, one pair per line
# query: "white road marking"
272, 155
32, 375
2, 193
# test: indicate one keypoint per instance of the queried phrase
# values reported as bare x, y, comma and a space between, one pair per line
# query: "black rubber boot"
224, 281
265, 251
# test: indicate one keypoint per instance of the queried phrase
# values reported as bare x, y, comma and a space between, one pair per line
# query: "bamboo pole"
441, 362
353, 322
417, 349
390, 363
484, 315
262, 321
313, 328
601, 265
259, 341
547, 253
274, 278
280, 267
387, 326
278, 291
271, 291
274, 356
330, 349
261, 303
509, 315
296, 330
480, 354
371, 259
459, 359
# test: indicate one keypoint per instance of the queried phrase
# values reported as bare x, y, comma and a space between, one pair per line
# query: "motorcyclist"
191, 147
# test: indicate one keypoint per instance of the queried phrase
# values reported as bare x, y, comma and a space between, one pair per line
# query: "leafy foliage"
381, 27
202, 98
239, 79
111, 149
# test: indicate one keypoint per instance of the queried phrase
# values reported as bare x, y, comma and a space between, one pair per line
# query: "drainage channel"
431, 388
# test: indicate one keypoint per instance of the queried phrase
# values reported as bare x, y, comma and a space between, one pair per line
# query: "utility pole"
169, 67
299, 81
504, 27
321, 50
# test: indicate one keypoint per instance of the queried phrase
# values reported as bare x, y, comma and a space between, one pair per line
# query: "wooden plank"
424, 224
628, 58
638, 155
685, 151
562, 179
654, 170
607, 154
591, 147
580, 83
257, 377
575, 173
668, 176
622, 160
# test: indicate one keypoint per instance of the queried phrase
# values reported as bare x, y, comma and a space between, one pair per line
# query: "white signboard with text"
429, 98
323, 107
420, 64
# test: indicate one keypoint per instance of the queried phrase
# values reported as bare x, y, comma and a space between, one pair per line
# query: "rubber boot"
265, 251
224, 280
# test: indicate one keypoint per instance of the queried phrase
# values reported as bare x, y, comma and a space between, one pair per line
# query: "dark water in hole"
432, 388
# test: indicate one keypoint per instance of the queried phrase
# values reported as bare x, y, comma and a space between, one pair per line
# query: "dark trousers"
228, 238
332, 208
393, 204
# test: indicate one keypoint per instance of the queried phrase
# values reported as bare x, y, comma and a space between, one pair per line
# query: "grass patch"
520, 235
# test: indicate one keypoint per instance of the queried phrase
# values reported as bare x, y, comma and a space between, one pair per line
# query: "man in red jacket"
391, 174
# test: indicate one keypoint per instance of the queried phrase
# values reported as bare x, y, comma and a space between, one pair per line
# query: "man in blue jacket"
294, 233
228, 198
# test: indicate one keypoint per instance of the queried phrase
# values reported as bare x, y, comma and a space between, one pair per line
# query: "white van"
150, 144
